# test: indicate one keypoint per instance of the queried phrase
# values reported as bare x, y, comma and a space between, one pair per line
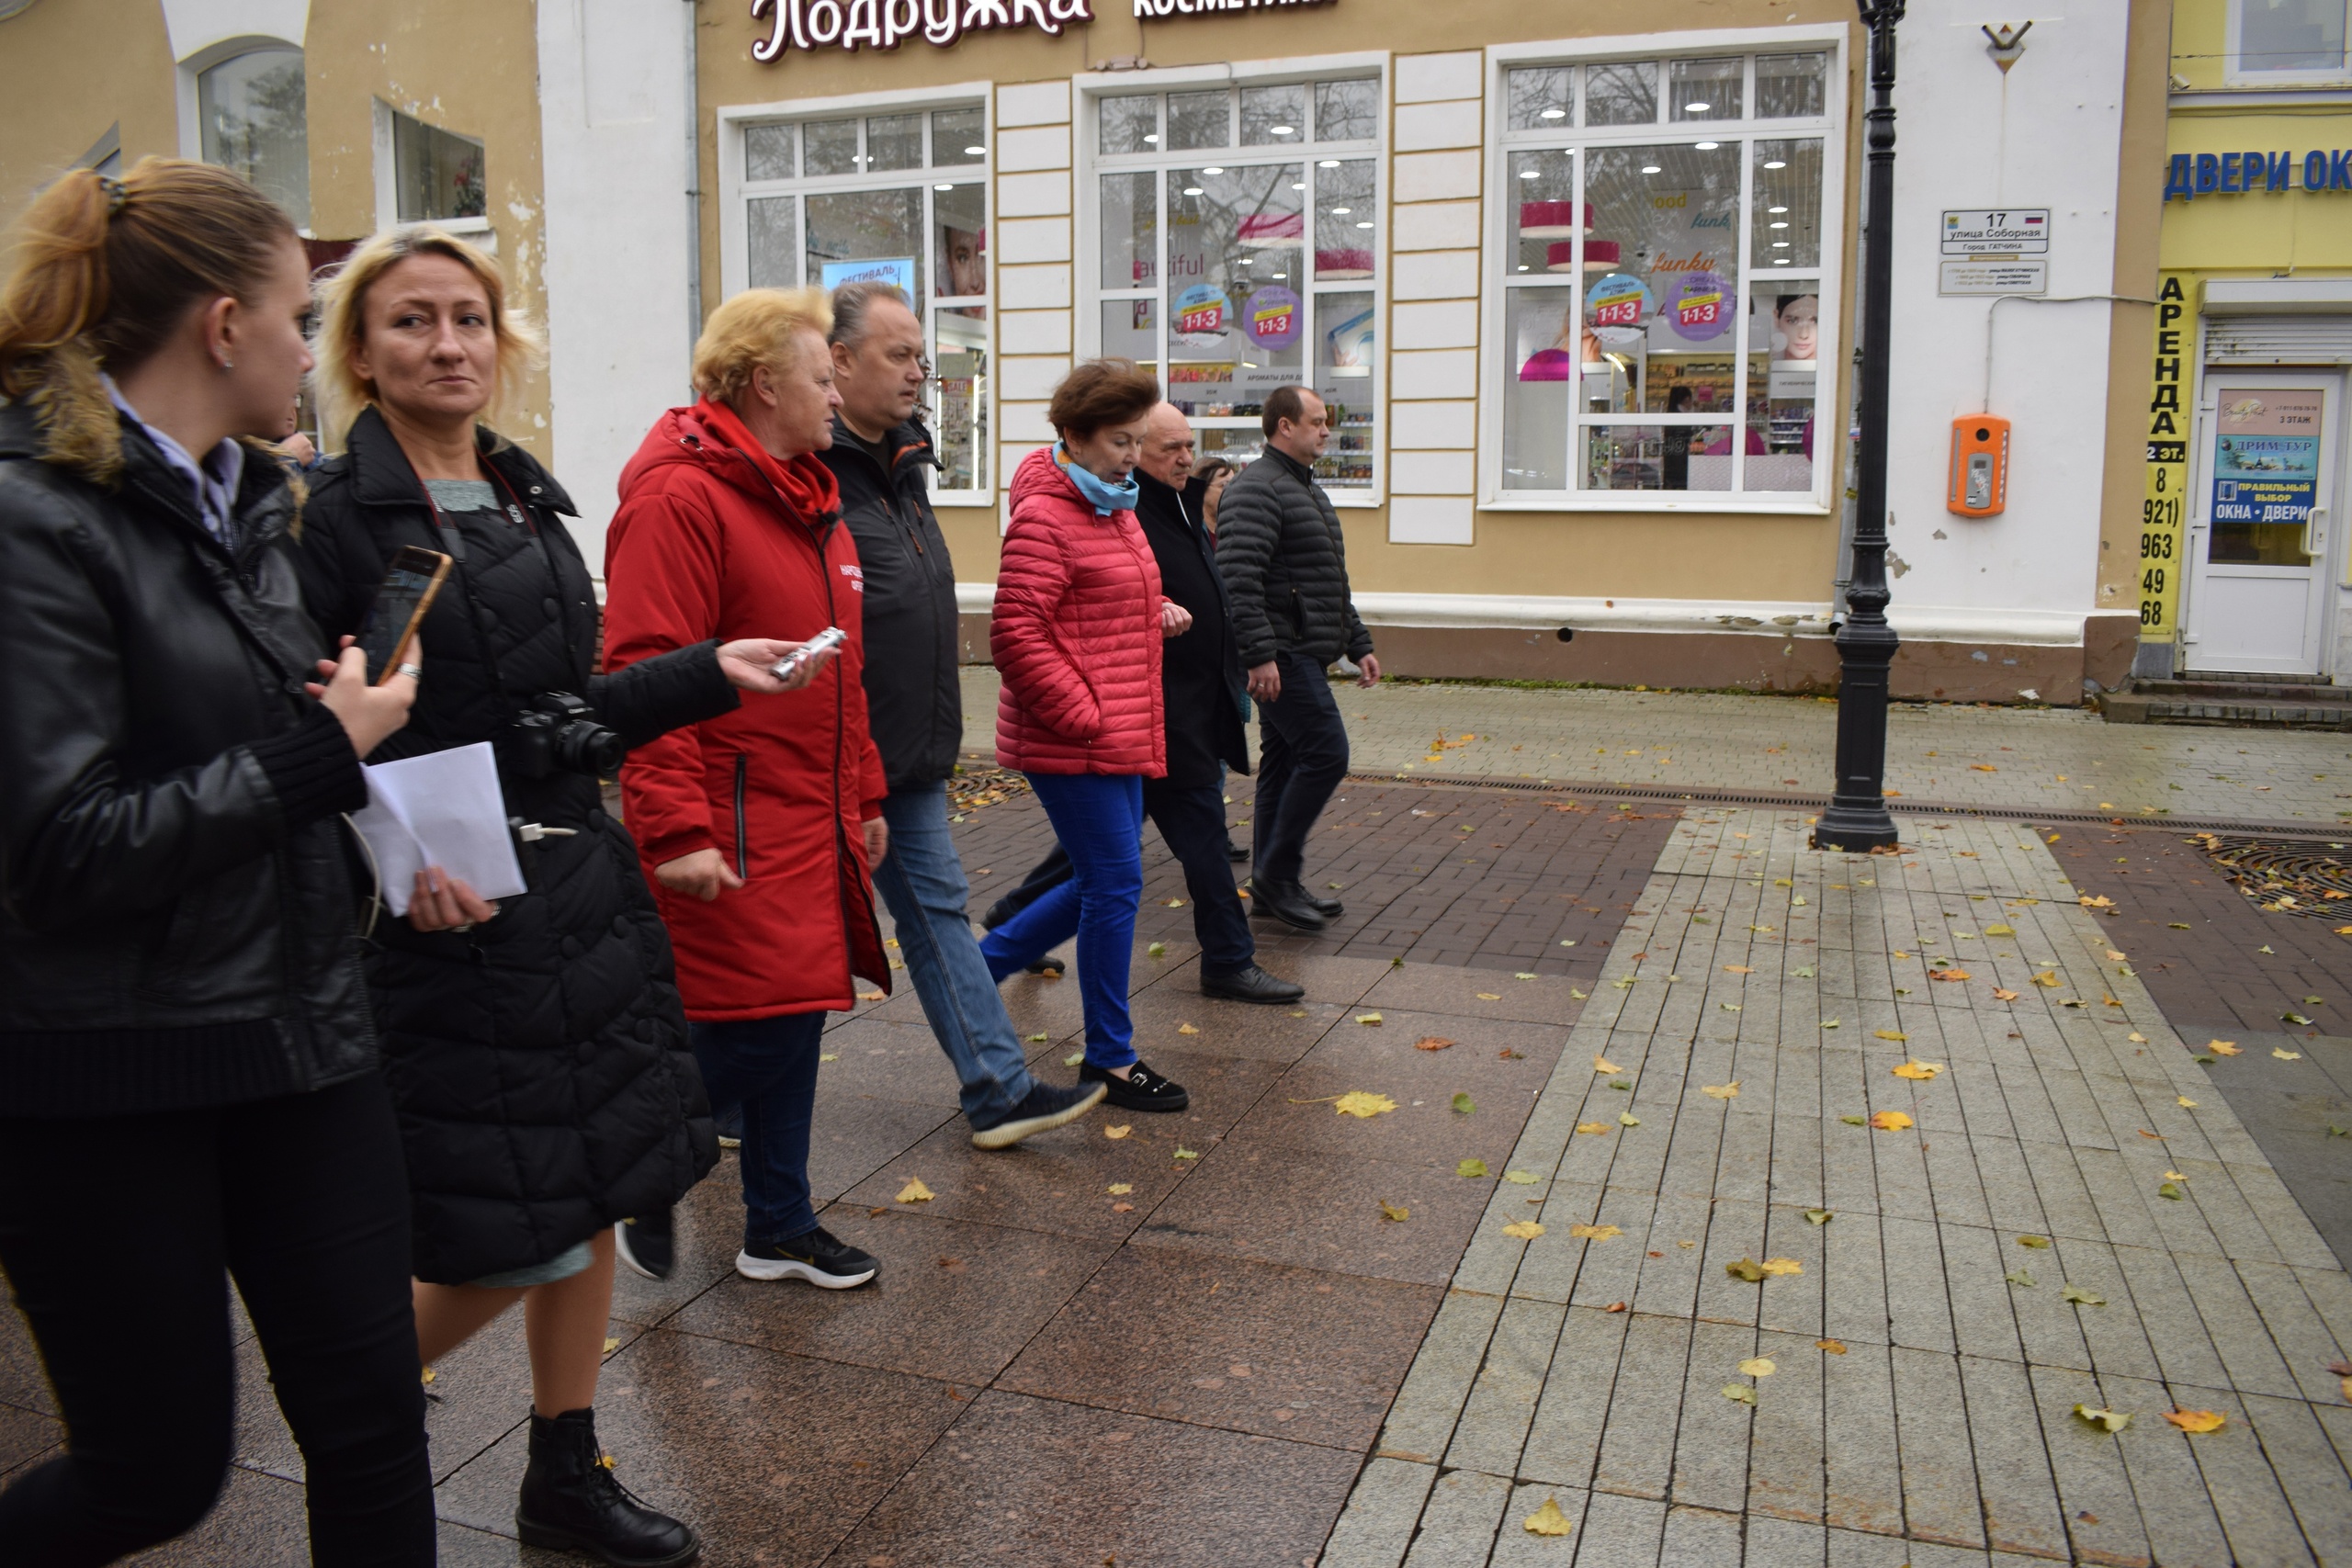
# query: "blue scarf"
1105, 498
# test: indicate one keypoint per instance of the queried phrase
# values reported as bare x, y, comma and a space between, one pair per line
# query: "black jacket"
1200, 672
176, 923
539, 1061
1285, 565
914, 703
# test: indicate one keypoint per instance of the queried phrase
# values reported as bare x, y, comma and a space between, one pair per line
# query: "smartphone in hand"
410, 584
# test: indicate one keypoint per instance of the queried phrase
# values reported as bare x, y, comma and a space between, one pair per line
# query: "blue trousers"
922, 880
1099, 819
767, 1067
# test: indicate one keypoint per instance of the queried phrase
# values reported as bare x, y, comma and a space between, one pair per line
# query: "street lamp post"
1857, 817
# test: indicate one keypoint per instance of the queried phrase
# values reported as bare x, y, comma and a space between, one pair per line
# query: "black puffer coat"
175, 921
1285, 565
539, 1061
914, 699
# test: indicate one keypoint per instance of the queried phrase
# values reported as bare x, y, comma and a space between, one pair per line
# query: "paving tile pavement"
2063, 1213
2009, 759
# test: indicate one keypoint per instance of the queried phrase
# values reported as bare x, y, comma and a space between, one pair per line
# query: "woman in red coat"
760, 828
1076, 637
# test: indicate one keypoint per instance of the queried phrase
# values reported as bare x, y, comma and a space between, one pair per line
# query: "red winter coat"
1076, 634
715, 539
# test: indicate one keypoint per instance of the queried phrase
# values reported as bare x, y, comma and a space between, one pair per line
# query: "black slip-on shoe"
1251, 985
1042, 1110
1286, 902
1141, 1090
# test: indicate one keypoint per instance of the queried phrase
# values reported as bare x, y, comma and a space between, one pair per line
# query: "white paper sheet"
443, 808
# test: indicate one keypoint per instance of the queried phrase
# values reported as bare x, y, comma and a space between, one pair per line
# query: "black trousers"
1191, 819
1302, 757
116, 1235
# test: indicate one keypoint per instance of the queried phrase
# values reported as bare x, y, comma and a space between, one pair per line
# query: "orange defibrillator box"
1980, 465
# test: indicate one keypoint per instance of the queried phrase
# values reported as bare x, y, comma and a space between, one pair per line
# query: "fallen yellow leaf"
1922, 1071
2048, 977
1603, 1065
611, 1346
1948, 975
2195, 1420
1891, 1121
1592, 1127
1360, 1104
2137, 1038
1120, 1131
1526, 1230
1758, 1366
1835, 1347
430, 1374
2096, 901
1721, 1090
1594, 1232
1983, 768
1121, 1188
1627, 1119
1777, 1266
1391, 1212
1548, 1520
2184, 1102
1186, 1028
1431, 1042
914, 1191
1737, 969
2286, 1055
1371, 1019
2225, 1048
2000, 995
2000, 930
1490, 996
1895, 1034
869, 995
2117, 957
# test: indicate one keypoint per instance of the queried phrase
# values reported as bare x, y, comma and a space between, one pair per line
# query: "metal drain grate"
2285, 878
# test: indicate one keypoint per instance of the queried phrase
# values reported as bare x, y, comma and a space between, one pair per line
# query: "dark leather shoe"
571, 1499
1332, 908
1286, 902
1251, 985
1235, 852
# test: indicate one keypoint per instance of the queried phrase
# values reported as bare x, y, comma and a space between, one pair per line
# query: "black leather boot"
1286, 902
570, 1500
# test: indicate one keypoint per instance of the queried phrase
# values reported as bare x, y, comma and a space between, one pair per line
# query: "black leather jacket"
176, 913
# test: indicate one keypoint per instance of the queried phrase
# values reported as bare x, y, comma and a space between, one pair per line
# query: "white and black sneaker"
1042, 1110
647, 1244
819, 1256
1141, 1090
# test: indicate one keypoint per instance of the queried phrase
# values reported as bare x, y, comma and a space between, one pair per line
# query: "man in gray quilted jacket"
1284, 562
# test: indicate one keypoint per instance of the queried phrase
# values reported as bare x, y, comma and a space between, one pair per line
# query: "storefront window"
255, 111
898, 198
1236, 232
1662, 296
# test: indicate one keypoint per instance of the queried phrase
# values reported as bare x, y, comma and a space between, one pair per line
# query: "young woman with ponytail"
188, 1083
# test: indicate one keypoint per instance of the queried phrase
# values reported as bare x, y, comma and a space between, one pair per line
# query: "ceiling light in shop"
1363, 225
1298, 185
1285, 130
1282, 275
1706, 146
1780, 261
1697, 108
1212, 171
1780, 245
1522, 267
1776, 162
978, 151
1776, 225
1328, 163
1776, 209
1555, 114
1192, 190
1342, 211
1651, 169
1151, 136
1530, 174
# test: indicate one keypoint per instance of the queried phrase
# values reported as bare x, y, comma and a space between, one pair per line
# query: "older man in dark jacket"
1286, 567
915, 707
1200, 675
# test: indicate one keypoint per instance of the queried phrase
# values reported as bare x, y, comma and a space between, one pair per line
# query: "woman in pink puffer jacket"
1076, 637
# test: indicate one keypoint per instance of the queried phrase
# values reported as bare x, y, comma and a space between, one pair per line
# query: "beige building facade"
1577, 283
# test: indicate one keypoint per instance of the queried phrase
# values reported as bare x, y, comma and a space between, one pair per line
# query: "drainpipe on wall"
694, 186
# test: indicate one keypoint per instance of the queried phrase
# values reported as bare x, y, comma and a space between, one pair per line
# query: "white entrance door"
2261, 493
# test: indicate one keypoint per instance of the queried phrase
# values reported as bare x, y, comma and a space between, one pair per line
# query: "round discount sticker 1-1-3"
1203, 312
1618, 304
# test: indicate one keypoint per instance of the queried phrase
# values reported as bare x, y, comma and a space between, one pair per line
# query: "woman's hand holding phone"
369, 714
750, 662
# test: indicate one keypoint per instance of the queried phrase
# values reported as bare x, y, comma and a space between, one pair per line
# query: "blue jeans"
1099, 819
922, 879
768, 1067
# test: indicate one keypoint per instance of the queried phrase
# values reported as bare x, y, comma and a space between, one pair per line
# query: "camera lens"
589, 748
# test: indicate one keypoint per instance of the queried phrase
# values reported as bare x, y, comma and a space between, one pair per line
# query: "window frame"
1088, 164
2236, 73
736, 191
479, 229
1500, 246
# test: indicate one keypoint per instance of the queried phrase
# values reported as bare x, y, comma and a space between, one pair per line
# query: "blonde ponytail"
101, 273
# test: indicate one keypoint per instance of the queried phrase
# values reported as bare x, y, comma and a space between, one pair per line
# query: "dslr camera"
556, 735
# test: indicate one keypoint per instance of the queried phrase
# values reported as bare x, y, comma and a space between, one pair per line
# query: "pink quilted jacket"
1075, 635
